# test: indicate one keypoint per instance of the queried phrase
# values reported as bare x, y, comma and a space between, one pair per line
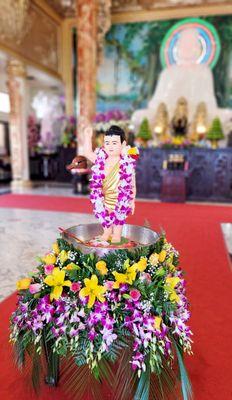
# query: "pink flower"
109, 285
48, 269
135, 294
146, 277
35, 288
75, 287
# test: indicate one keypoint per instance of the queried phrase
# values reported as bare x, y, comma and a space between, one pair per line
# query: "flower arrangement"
103, 121
123, 206
177, 141
33, 136
68, 137
128, 308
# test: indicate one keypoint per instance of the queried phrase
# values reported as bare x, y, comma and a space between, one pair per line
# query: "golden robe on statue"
110, 187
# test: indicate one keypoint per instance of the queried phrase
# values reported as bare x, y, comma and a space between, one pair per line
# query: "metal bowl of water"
142, 236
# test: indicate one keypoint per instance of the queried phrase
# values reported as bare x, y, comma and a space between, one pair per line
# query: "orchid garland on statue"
123, 205
96, 310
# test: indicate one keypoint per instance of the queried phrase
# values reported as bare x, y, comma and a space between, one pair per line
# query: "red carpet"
195, 231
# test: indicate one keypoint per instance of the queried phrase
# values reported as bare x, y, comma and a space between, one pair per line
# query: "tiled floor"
49, 189
24, 234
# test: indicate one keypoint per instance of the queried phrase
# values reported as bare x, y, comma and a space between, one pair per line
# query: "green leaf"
126, 296
19, 351
125, 378
185, 382
143, 388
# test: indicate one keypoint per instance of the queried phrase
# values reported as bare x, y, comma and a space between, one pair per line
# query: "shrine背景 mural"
128, 75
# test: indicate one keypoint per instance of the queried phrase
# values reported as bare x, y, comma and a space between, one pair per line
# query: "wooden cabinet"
173, 186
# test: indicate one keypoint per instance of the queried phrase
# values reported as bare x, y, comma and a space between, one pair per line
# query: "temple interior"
161, 71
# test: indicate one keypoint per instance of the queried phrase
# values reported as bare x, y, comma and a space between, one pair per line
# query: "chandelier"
13, 15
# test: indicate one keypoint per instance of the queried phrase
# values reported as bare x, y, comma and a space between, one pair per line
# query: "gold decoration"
179, 123
137, 5
200, 122
13, 20
16, 68
39, 44
161, 122
65, 8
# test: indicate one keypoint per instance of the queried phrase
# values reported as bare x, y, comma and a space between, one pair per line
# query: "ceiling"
67, 8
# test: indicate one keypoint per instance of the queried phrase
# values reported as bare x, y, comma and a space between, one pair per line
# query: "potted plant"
144, 134
215, 133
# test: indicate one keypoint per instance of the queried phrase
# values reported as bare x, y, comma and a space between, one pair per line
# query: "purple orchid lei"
125, 192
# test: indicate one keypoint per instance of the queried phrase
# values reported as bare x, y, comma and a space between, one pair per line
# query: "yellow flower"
162, 255
101, 267
23, 284
157, 323
154, 259
133, 151
71, 267
172, 267
174, 296
120, 279
129, 276
142, 264
171, 283
169, 262
63, 256
93, 290
56, 280
49, 259
55, 248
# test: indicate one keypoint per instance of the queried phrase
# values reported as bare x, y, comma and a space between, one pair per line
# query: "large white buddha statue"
188, 78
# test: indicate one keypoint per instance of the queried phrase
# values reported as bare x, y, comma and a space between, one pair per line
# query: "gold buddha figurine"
179, 123
161, 123
200, 123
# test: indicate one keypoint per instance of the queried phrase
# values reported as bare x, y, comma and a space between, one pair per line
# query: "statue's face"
113, 145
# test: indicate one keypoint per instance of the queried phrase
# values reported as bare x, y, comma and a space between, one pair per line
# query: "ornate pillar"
87, 62
18, 123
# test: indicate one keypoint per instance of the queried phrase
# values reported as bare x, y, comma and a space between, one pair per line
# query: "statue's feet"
103, 238
116, 239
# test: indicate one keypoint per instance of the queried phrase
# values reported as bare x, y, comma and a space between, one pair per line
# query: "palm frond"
164, 386
36, 370
143, 388
125, 379
80, 383
19, 352
185, 382
52, 361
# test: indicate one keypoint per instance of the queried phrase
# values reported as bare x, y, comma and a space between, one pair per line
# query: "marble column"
18, 93
87, 63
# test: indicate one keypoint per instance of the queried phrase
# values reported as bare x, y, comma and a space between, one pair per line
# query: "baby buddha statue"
112, 184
